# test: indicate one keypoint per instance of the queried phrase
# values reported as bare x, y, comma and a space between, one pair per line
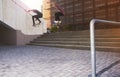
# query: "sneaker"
55, 22
39, 22
59, 22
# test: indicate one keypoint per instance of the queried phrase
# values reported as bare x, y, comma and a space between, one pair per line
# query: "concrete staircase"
106, 40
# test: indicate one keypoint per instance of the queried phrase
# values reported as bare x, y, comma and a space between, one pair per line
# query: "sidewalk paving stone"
38, 61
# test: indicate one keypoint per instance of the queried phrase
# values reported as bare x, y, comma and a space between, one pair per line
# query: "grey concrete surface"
38, 61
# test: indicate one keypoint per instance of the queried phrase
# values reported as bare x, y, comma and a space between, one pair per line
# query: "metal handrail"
21, 6
92, 41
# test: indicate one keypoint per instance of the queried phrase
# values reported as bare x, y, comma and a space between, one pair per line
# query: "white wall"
1, 17
17, 18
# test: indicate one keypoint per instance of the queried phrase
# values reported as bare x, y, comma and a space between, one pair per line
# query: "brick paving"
38, 61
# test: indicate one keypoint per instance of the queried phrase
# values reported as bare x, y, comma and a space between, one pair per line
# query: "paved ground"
37, 61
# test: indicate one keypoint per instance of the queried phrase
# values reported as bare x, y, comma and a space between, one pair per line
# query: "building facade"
47, 12
80, 12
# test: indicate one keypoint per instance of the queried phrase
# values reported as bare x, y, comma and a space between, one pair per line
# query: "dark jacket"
38, 12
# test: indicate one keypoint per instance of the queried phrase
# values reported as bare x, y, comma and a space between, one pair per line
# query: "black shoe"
39, 22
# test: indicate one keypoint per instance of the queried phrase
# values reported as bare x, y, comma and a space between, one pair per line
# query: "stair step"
82, 47
98, 32
81, 36
79, 39
79, 43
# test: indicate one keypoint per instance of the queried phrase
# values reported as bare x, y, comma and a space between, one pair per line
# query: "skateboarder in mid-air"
59, 12
37, 16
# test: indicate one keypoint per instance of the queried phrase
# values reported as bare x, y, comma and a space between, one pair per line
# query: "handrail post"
93, 53
92, 41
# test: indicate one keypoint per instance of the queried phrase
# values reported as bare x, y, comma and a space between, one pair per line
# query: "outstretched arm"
57, 6
30, 10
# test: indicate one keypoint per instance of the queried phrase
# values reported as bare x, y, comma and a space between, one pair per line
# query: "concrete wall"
1, 17
21, 21
24, 39
9, 36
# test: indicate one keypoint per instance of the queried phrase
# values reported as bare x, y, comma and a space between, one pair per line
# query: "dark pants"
57, 16
37, 18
